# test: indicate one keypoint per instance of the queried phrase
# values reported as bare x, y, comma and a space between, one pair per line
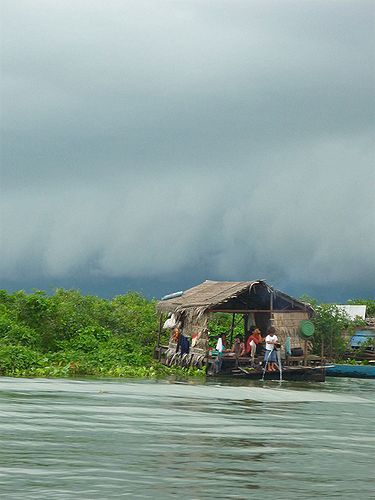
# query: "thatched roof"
213, 294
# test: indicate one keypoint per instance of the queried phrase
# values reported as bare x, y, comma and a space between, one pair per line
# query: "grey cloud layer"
156, 138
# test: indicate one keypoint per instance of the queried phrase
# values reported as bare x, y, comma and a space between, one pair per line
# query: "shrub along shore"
70, 334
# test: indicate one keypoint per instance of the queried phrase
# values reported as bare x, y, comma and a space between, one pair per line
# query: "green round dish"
306, 329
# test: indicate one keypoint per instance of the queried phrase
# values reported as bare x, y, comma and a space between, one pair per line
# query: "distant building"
353, 312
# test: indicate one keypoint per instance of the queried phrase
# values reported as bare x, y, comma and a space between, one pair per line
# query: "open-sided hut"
257, 302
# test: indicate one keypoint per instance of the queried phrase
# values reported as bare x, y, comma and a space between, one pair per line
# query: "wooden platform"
241, 368
293, 368
303, 373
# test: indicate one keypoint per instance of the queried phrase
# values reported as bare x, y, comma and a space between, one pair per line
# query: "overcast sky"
154, 144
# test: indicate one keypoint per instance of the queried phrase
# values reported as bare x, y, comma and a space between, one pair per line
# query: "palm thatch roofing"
230, 296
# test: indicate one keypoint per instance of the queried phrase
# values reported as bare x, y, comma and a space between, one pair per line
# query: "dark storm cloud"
158, 140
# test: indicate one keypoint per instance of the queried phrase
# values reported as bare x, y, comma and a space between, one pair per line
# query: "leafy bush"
329, 322
68, 334
16, 358
221, 323
5, 326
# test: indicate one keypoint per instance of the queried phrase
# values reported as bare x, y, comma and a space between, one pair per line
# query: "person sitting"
252, 342
175, 334
238, 348
270, 357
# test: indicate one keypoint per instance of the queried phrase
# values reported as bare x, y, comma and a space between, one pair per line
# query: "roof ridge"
235, 285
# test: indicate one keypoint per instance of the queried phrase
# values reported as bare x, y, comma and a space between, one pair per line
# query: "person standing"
220, 348
252, 342
270, 357
221, 343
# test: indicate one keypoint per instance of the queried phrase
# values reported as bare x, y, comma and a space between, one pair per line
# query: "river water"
89, 439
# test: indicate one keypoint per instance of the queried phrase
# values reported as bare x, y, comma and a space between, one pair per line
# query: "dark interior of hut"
240, 324
260, 298
259, 301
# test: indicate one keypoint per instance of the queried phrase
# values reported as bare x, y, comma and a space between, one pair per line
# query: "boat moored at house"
351, 371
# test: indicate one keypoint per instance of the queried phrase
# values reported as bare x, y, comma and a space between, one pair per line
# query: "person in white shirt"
270, 357
220, 348
220, 345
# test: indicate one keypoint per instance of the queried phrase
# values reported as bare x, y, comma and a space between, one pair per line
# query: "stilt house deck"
256, 302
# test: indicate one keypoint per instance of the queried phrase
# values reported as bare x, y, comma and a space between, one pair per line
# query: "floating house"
252, 302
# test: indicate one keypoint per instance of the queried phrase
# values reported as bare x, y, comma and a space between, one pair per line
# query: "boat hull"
353, 371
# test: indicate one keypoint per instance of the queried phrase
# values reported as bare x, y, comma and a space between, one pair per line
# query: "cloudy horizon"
151, 145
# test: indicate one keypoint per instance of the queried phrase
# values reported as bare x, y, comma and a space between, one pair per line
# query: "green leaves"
69, 334
330, 323
221, 323
17, 359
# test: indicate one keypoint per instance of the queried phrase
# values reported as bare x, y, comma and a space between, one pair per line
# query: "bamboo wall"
287, 325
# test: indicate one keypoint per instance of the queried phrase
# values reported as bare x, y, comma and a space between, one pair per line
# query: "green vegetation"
330, 322
221, 323
68, 334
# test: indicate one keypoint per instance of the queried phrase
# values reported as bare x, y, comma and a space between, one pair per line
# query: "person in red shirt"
253, 340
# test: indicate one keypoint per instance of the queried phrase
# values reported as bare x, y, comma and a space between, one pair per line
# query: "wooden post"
231, 329
159, 333
331, 345
245, 324
271, 308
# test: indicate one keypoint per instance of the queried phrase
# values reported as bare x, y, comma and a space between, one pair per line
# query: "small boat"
354, 371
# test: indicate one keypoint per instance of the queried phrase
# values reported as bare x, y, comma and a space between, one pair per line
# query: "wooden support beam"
159, 333
290, 300
231, 329
245, 325
305, 353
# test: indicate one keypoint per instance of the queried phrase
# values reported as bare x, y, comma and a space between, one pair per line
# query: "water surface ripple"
88, 439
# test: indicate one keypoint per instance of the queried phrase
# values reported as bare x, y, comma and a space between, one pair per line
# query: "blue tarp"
361, 337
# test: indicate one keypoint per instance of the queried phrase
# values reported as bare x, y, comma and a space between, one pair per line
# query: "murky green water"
63, 439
